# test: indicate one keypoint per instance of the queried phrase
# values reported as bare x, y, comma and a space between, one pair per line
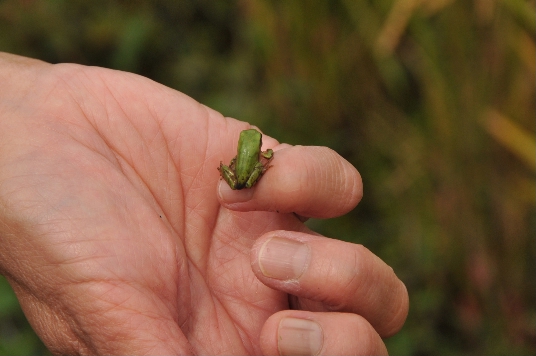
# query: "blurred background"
432, 100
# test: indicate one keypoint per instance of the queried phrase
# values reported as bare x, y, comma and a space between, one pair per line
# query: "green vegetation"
432, 100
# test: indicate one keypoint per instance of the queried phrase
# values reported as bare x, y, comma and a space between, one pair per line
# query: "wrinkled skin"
119, 237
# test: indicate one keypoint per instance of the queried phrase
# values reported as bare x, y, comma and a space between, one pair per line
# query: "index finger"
310, 181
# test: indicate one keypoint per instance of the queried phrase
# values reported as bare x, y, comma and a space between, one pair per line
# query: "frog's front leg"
268, 154
232, 164
228, 175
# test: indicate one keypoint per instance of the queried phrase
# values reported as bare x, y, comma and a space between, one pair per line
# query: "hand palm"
115, 239
153, 252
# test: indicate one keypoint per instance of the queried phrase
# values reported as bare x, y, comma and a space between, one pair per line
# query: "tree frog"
249, 163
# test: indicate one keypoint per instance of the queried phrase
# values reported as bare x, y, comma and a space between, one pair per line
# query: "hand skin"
119, 237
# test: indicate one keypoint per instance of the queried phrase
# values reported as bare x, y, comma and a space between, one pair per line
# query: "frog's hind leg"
255, 175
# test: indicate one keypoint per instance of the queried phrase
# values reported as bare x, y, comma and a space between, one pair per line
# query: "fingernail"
233, 196
299, 337
283, 258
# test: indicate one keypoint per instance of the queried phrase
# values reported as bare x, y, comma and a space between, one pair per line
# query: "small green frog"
247, 167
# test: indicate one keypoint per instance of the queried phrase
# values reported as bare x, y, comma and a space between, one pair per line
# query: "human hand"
119, 238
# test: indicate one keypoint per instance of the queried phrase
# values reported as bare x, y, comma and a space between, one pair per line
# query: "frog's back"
249, 147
